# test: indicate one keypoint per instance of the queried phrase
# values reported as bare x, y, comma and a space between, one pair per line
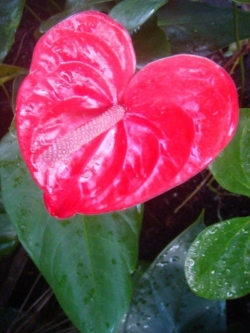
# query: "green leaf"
133, 13
15, 87
9, 72
8, 237
242, 1
218, 262
231, 167
198, 28
150, 43
87, 260
82, 4
244, 148
10, 15
71, 7
163, 301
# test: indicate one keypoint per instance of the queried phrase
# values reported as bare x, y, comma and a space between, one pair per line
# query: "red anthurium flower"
97, 137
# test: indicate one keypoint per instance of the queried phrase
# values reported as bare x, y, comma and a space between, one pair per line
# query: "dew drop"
174, 259
190, 262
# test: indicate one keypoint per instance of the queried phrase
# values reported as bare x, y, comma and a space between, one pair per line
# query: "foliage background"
196, 28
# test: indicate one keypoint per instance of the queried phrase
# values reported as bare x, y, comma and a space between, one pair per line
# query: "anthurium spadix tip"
98, 137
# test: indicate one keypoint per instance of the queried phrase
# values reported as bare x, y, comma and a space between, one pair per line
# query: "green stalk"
237, 38
53, 3
33, 13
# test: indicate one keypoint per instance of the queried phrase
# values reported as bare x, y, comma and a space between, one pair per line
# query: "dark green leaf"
199, 28
163, 301
150, 43
244, 148
87, 260
53, 20
10, 15
82, 4
231, 168
218, 262
8, 237
242, 1
72, 7
133, 13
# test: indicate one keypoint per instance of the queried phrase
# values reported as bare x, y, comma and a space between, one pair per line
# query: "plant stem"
193, 193
6, 92
53, 3
33, 13
237, 38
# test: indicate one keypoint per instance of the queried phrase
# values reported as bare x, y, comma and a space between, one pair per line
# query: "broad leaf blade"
217, 264
87, 260
133, 13
198, 28
150, 43
163, 301
10, 15
82, 4
71, 7
8, 237
242, 1
244, 148
231, 167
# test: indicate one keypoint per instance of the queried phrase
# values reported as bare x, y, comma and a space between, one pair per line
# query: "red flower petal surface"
97, 139
203, 90
93, 38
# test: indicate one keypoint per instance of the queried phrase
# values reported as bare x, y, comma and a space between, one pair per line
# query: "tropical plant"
144, 130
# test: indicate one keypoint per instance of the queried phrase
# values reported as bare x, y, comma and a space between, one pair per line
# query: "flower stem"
33, 13
237, 38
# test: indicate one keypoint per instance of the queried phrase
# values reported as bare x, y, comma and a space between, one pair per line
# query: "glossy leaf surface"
72, 7
163, 302
8, 237
98, 138
242, 1
86, 260
199, 28
231, 167
217, 265
133, 13
10, 15
156, 47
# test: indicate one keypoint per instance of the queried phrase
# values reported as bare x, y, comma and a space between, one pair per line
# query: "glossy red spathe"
97, 137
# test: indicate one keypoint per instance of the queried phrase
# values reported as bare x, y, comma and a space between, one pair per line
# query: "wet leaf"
231, 167
218, 265
133, 13
199, 28
163, 302
87, 260
10, 15
8, 237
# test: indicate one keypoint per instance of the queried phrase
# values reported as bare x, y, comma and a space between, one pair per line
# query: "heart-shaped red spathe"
97, 137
